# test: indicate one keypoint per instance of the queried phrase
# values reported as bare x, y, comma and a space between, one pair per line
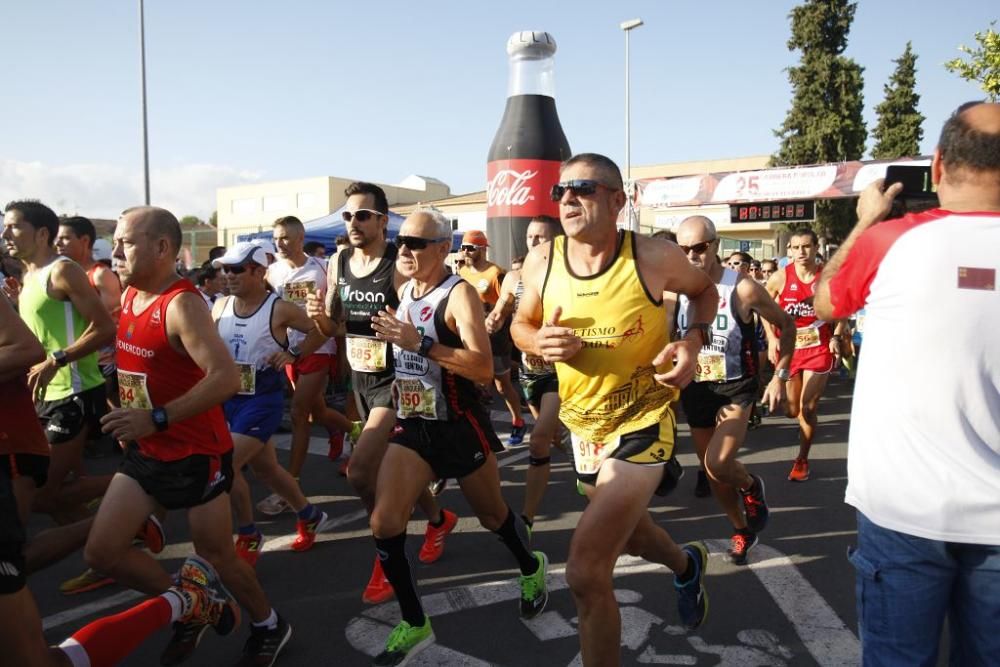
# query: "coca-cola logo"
510, 188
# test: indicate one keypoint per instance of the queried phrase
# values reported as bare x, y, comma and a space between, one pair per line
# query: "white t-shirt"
924, 446
293, 283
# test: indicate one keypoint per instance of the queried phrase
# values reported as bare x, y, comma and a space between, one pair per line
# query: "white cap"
101, 250
266, 244
240, 253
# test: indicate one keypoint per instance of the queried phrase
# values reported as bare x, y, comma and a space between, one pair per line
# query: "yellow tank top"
607, 388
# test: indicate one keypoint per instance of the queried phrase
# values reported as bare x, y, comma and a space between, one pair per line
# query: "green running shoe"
533, 593
405, 641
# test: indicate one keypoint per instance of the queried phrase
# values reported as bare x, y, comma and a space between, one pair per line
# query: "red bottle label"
521, 188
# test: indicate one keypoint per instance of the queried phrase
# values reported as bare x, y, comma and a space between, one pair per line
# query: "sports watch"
782, 374
426, 343
159, 416
60, 358
294, 351
705, 330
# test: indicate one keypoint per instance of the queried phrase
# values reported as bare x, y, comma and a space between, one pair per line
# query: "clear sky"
252, 90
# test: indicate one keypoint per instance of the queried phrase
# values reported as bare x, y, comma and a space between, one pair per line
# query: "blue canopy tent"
325, 230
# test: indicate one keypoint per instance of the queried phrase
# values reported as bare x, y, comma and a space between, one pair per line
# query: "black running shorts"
703, 400
65, 418
35, 466
653, 445
536, 386
180, 484
374, 390
12, 540
453, 448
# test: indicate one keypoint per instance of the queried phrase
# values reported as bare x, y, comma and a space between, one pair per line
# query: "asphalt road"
792, 605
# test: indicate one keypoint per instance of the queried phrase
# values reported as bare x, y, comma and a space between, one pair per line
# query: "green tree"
983, 66
213, 219
899, 130
825, 122
191, 221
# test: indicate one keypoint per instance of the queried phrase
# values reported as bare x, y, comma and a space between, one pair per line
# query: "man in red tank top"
817, 345
174, 372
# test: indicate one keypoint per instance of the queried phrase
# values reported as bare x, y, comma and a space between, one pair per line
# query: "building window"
277, 203
307, 200
246, 206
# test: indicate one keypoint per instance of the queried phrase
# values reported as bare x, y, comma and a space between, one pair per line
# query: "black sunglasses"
415, 242
697, 247
580, 186
361, 215
469, 247
234, 269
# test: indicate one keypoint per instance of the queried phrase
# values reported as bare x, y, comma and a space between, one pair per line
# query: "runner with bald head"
174, 372
719, 401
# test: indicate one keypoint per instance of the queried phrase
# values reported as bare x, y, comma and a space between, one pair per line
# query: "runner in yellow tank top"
592, 304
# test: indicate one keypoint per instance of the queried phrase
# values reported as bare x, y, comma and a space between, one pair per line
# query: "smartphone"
916, 180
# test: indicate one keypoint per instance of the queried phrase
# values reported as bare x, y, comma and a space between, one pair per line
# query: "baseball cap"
240, 253
266, 244
474, 237
101, 250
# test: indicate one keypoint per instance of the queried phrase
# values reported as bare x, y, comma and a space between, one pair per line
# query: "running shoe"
404, 642
336, 446
580, 489
355, 433
692, 600
90, 580
533, 592
307, 531
437, 486
264, 644
187, 635
434, 537
702, 489
151, 534
273, 505
211, 604
755, 505
800, 471
378, 589
248, 547
517, 434
740, 545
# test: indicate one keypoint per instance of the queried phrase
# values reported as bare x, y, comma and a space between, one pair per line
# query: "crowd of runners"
605, 336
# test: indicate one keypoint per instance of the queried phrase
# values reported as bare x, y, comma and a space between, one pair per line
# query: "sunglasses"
415, 242
469, 248
235, 269
361, 215
697, 247
580, 186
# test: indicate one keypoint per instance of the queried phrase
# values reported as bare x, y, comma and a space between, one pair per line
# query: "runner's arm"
756, 298
531, 334
775, 284
69, 280
474, 360
19, 349
110, 289
191, 331
505, 303
288, 315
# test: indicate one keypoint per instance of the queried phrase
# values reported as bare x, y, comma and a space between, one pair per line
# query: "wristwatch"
705, 330
426, 343
159, 416
782, 374
60, 358
294, 351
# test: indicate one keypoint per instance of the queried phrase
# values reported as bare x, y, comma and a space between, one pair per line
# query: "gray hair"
442, 224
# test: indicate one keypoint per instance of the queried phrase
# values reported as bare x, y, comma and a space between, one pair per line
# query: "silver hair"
442, 224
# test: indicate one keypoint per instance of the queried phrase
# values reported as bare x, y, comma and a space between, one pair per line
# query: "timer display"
775, 211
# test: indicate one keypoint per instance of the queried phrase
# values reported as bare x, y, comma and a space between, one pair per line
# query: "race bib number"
415, 399
806, 337
588, 456
366, 355
711, 367
536, 365
859, 324
248, 380
132, 392
297, 292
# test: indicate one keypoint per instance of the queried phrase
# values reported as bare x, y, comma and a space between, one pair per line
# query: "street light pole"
633, 220
145, 133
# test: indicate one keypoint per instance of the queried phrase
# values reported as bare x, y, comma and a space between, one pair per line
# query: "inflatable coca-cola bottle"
523, 163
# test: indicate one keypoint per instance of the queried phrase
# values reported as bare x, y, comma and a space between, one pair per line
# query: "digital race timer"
775, 211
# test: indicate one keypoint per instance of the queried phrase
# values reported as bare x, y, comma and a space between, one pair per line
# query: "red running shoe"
248, 547
378, 589
434, 537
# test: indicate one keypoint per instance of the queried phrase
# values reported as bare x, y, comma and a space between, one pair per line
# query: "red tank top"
793, 299
151, 373
20, 431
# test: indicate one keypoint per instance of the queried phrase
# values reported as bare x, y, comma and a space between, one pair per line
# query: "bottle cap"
531, 45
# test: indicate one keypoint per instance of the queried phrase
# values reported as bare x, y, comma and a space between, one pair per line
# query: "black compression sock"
514, 534
440, 521
392, 555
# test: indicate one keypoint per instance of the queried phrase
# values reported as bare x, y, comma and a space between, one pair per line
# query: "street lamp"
633, 220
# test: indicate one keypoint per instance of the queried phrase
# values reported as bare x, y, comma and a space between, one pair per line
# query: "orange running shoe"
434, 537
248, 547
800, 471
378, 589
307, 531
